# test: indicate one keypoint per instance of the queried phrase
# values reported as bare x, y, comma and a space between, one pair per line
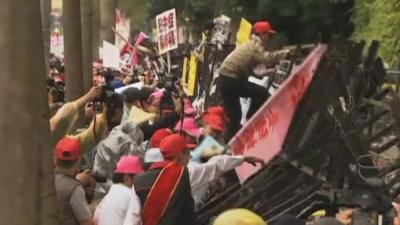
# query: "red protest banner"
265, 133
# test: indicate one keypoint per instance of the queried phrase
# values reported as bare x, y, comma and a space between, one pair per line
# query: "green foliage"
241, 8
199, 11
298, 21
158, 6
308, 20
379, 20
137, 11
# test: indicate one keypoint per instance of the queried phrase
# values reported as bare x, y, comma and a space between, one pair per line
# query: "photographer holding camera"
72, 114
55, 95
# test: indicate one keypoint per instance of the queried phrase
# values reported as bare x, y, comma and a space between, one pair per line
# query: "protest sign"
167, 31
110, 55
244, 32
207, 148
193, 75
57, 44
221, 30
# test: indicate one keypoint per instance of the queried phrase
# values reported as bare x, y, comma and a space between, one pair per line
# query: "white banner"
167, 31
57, 45
110, 55
123, 28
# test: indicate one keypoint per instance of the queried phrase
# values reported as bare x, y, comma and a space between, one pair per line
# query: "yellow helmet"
239, 217
319, 213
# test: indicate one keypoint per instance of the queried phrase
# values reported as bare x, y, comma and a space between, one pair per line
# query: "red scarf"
162, 191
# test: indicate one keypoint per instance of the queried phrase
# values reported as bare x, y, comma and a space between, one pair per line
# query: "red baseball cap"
69, 149
172, 145
215, 121
263, 27
218, 111
158, 136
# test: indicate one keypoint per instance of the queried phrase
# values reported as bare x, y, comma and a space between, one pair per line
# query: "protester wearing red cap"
158, 136
164, 190
191, 184
114, 206
71, 200
263, 27
218, 111
175, 147
153, 154
214, 126
236, 69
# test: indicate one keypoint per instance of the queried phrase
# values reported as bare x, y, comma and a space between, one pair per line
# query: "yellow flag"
185, 75
244, 32
193, 75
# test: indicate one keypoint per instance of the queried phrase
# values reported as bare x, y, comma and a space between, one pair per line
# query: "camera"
56, 63
56, 89
169, 82
104, 80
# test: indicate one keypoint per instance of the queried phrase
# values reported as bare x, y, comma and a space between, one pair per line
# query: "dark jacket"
180, 210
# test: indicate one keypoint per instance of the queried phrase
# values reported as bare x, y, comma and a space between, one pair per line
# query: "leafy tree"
308, 20
241, 8
137, 11
379, 19
159, 6
297, 21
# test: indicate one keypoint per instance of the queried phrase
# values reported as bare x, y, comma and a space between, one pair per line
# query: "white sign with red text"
167, 31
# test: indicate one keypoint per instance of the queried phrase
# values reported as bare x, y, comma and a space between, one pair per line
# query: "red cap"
215, 122
69, 149
158, 136
218, 111
263, 27
173, 145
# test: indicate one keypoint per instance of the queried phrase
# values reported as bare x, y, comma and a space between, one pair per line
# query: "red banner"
265, 133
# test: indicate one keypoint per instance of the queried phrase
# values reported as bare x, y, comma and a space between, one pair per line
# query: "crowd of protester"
124, 151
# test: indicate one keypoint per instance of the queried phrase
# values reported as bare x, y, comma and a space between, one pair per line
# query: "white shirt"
133, 216
200, 177
113, 208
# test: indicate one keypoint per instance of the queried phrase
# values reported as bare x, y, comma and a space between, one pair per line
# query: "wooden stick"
122, 37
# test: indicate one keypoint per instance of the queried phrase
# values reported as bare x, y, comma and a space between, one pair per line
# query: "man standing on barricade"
236, 69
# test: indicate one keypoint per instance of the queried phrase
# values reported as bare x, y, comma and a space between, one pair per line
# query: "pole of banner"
169, 63
130, 45
122, 37
161, 60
